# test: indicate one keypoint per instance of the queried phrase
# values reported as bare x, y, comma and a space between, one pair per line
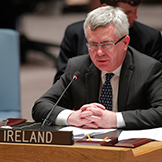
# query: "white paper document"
79, 133
154, 134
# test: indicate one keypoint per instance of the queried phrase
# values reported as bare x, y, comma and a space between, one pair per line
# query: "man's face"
107, 59
130, 11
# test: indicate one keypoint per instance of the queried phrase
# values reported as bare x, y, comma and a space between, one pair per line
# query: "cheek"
113, 55
117, 57
92, 55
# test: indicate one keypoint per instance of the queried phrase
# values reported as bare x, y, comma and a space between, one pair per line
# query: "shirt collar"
116, 71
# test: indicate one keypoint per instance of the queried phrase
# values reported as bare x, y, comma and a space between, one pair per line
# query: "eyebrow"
128, 11
106, 41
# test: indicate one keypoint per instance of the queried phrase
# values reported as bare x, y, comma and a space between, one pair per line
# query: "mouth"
102, 60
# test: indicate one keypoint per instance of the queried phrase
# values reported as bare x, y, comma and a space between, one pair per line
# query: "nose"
100, 50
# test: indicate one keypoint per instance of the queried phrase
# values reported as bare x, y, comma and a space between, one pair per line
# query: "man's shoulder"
144, 29
81, 58
75, 29
80, 63
77, 25
145, 39
139, 57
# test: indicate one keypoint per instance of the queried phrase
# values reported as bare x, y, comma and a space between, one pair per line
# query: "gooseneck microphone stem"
75, 76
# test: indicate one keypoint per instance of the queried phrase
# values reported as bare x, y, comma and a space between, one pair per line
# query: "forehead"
101, 33
126, 7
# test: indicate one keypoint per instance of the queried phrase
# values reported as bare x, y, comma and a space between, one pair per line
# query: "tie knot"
109, 76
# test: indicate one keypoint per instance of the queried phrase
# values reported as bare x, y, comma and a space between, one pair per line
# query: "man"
135, 89
143, 38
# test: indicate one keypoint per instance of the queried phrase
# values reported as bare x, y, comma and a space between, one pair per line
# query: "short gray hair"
103, 16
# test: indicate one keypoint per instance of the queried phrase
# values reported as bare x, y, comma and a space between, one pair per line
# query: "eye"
107, 45
93, 44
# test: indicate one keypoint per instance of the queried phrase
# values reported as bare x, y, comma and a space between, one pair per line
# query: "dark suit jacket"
143, 38
139, 97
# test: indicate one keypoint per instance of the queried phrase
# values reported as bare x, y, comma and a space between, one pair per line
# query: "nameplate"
36, 136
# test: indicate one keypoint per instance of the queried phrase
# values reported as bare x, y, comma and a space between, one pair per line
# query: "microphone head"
76, 75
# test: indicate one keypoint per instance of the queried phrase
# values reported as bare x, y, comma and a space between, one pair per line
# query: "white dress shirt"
115, 86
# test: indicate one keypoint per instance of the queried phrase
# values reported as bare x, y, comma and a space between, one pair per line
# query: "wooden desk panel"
12, 152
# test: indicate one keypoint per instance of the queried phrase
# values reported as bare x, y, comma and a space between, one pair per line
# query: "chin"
130, 24
103, 68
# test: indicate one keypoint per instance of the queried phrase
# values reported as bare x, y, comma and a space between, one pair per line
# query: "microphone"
75, 77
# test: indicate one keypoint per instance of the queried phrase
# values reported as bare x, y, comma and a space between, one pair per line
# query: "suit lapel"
125, 81
92, 79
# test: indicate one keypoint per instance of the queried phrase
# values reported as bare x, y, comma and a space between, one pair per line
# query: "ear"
126, 41
104, 4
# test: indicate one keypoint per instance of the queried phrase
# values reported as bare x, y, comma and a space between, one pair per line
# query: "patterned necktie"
106, 92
